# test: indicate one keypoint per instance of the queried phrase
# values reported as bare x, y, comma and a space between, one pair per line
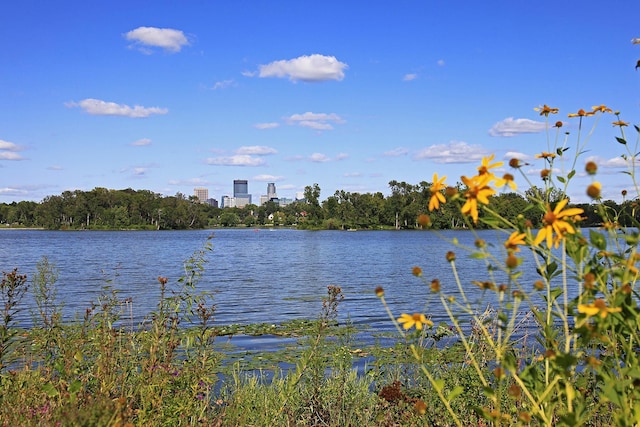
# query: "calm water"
258, 276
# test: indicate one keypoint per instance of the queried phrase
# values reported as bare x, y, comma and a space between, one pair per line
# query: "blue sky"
171, 95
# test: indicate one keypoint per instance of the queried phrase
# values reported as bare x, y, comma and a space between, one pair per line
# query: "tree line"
102, 208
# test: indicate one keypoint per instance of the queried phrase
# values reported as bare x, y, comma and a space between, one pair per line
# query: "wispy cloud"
262, 126
441, 63
98, 107
319, 158
342, 156
237, 160
222, 84
453, 152
409, 77
165, 38
268, 178
260, 150
317, 121
308, 68
396, 152
141, 142
513, 127
9, 151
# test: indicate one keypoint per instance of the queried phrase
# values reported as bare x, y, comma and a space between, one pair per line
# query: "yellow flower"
514, 240
554, 222
436, 196
598, 307
546, 110
620, 123
507, 179
408, 321
487, 165
545, 155
593, 190
477, 191
602, 109
582, 113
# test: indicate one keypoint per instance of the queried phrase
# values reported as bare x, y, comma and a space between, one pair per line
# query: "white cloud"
9, 155
141, 142
396, 152
268, 178
318, 158
440, 62
8, 151
342, 156
222, 84
271, 125
308, 68
9, 146
453, 152
513, 127
98, 107
260, 150
517, 155
237, 160
166, 38
139, 171
409, 77
613, 163
352, 175
318, 121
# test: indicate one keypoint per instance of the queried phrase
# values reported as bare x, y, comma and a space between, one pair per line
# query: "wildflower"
416, 271
420, 407
515, 163
162, 280
451, 256
514, 240
512, 261
451, 191
379, 292
593, 190
515, 390
545, 155
424, 220
582, 113
435, 285
624, 193
485, 286
507, 179
558, 124
498, 372
436, 195
598, 307
544, 174
591, 167
486, 165
601, 108
478, 191
554, 222
408, 321
538, 285
479, 243
620, 123
545, 110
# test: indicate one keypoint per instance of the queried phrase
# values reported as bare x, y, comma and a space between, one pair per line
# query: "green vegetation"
102, 209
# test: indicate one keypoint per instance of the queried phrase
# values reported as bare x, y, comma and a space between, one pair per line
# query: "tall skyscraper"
240, 187
201, 193
271, 191
241, 192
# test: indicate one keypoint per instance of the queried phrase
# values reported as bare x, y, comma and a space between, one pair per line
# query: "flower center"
549, 218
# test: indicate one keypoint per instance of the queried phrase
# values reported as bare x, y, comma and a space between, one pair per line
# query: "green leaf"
457, 391
50, 390
571, 174
637, 128
598, 240
478, 255
621, 140
75, 386
561, 179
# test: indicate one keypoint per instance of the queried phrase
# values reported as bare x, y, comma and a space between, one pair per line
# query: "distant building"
241, 193
212, 202
201, 193
271, 195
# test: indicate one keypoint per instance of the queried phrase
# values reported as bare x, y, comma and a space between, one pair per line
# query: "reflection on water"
257, 276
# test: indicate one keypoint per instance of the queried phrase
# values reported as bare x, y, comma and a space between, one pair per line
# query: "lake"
257, 276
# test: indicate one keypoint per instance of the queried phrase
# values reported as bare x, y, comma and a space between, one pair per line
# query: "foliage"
583, 368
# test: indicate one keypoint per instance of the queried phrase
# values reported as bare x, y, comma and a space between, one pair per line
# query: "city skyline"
347, 95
